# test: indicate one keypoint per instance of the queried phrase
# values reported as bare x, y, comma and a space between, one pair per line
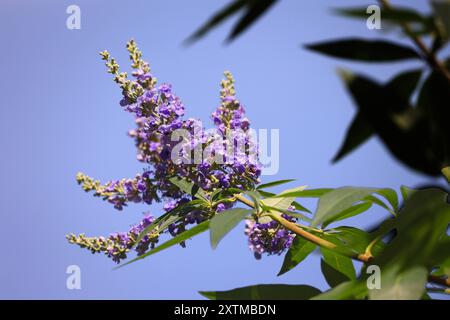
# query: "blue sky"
60, 115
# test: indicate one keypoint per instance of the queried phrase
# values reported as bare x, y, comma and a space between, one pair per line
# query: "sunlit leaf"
224, 222
298, 252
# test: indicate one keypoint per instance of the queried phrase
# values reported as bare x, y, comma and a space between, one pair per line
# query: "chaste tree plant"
410, 249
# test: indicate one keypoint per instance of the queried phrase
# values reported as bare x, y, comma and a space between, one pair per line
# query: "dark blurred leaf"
404, 84
365, 50
224, 222
255, 9
264, 292
252, 10
399, 15
442, 12
299, 250
359, 132
403, 132
218, 18
433, 102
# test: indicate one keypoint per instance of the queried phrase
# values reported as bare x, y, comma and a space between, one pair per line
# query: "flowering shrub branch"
204, 195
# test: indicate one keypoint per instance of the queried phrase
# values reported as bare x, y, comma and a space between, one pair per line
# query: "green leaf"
332, 276
340, 263
281, 200
172, 216
349, 212
202, 227
333, 204
406, 192
297, 205
224, 222
307, 193
353, 238
274, 183
406, 285
264, 292
345, 291
189, 188
299, 250
365, 50
421, 227
391, 196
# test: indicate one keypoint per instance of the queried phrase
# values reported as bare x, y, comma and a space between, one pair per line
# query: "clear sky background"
60, 115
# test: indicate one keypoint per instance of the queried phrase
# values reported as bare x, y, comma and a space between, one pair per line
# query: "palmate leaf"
360, 130
402, 129
364, 50
265, 292
202, 227
224, 222
298, 252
